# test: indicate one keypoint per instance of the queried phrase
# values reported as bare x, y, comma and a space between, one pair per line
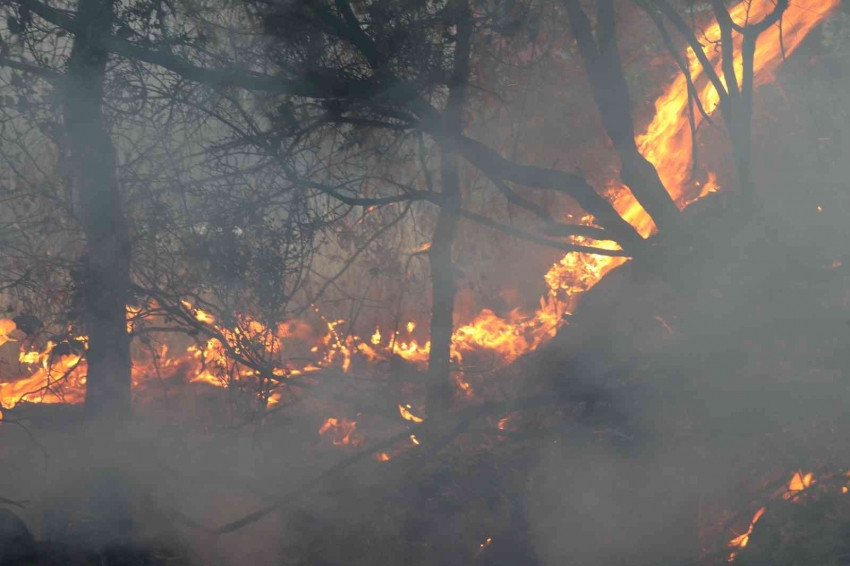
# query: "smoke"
727, 370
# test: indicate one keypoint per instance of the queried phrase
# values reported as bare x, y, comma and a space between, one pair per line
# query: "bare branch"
484, 221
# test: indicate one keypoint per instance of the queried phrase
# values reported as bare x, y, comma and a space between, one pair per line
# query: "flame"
341, 431
740, 541
505, 423
376, 337
56, 372
799, 482
133, 314
407, 415
6, 328
200, 316
52, 377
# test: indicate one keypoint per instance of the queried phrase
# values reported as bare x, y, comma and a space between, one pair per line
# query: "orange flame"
741, 541
407, 415
341, 431
6, 327
799, 482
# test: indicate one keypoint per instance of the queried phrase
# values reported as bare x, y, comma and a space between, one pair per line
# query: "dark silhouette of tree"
104, 274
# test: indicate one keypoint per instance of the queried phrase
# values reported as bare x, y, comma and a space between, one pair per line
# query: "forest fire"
58, 376
246, 285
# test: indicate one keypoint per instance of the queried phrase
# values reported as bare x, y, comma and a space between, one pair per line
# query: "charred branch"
522, 235
331, 85
735, 94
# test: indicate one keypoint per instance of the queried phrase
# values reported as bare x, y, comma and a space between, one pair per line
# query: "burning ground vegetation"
688, 406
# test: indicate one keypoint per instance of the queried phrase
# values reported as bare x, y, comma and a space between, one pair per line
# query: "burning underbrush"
637, 431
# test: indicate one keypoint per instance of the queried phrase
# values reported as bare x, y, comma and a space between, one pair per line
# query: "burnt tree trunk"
443, 280
611, 94
105, 268
737, 111
736, 103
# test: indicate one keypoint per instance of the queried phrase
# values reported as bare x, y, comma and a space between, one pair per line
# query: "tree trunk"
611, 95
443, 285
740, 124
105, 266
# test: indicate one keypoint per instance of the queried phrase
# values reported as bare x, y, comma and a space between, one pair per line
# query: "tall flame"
666, 142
